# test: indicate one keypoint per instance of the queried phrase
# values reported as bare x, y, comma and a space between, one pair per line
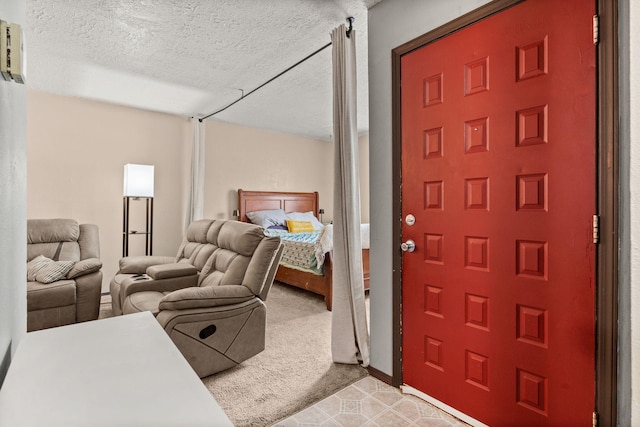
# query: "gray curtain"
349, 333
195, 208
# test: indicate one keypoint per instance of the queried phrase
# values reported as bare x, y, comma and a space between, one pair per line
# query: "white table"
121, 371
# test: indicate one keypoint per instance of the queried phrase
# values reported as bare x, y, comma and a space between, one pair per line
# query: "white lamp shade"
138, 180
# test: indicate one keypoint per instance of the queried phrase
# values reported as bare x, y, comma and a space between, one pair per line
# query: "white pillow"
267, 218
306, 216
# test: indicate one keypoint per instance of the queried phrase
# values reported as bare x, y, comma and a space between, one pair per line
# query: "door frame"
607, 197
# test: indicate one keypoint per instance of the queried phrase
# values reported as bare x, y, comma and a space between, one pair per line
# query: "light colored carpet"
293, 372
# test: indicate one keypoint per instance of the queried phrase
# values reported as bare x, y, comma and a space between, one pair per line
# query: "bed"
315, 280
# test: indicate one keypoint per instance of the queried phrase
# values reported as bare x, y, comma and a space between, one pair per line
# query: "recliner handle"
207, 332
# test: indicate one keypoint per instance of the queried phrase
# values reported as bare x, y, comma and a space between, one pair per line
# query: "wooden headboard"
249, 201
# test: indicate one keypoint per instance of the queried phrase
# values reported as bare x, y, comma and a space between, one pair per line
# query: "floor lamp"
138, 184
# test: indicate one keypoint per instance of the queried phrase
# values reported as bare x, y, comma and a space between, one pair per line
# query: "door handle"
408, 246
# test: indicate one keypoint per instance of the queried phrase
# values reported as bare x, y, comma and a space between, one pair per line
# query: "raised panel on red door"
498, 167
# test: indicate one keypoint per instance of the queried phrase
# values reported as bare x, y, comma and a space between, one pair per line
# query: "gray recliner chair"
215, 314
169, 273
64, 280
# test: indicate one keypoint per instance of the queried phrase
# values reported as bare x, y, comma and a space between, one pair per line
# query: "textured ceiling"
194, 57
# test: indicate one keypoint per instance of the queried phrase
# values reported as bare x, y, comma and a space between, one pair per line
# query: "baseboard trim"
386, 378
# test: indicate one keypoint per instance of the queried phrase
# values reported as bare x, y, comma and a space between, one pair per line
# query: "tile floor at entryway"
371, 402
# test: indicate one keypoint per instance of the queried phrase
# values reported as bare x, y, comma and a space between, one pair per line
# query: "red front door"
498, 168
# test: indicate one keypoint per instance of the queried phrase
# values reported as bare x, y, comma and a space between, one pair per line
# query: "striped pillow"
36, 265
45, 270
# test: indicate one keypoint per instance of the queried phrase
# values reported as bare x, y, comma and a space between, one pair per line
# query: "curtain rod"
349, 20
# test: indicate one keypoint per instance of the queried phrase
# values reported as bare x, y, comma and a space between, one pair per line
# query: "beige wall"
76, 152
253, 159
77, 149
